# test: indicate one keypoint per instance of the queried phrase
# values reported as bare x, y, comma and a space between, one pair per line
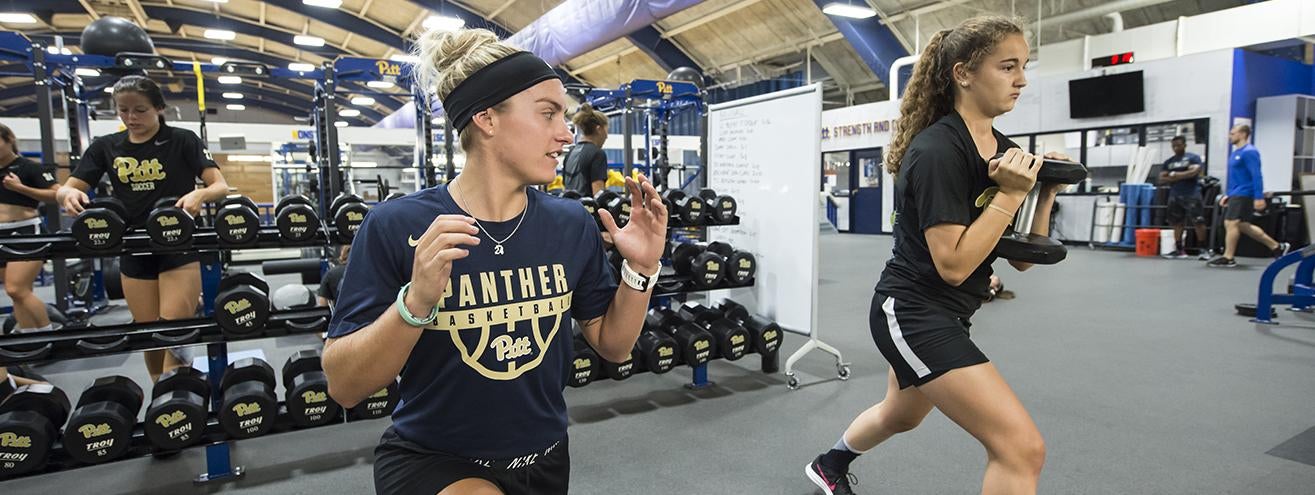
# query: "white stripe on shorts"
898, 337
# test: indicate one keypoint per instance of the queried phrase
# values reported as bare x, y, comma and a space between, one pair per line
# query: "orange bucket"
1148, 242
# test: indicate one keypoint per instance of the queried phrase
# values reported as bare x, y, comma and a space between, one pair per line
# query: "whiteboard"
765, 151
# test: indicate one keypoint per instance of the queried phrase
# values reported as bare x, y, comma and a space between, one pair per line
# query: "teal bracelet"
409, 318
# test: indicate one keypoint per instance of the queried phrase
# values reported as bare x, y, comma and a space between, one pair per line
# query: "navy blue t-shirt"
486, 379
1180, 163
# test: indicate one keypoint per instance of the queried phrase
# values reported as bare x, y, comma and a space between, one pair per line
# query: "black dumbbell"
237, 222
242, 306
766, 334
100, 429
100, 227
1034, 248
617, 371
616, 204
688, 209
169, 225
591, 206
720, 208
306, 390
296, 218
29, 423
705, 269
695, 344
378, 404
732, 339
584, 364
348, 211
249, 406
657, 350
177, 416
740, 266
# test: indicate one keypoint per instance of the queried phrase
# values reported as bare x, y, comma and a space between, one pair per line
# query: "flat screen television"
1115, 94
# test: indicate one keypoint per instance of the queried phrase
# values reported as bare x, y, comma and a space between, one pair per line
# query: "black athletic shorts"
1240, 208
31, 226
1185, 207
403, 468
920, 343
150, 266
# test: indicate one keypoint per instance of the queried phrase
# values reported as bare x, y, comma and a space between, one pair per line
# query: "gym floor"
1136, 370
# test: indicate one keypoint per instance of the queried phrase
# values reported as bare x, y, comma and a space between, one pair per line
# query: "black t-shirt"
166, 165
485, 380
585, 164
942, 179
329, 284
32, 174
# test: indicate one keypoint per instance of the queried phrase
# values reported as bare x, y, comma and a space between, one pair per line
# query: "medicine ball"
686, 74
111, 35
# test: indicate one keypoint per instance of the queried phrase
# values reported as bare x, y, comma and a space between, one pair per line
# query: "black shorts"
920, 343
402, 467
150, 266
31, 226
1240, 208
1185, 207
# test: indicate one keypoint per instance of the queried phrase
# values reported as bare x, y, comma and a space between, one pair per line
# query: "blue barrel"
1145, 199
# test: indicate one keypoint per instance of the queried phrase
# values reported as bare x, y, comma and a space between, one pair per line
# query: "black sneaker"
831, 482
1282, 249
1222, 262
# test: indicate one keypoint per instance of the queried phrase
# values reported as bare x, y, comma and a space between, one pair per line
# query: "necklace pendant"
497, 250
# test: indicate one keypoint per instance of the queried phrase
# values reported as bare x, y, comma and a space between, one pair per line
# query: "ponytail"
930, 93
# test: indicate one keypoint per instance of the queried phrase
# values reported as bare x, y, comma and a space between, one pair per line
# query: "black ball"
111, 35
687, 74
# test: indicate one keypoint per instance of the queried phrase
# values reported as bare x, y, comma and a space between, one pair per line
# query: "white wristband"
636, 280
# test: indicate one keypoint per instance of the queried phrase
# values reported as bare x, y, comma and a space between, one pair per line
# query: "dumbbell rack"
75, 343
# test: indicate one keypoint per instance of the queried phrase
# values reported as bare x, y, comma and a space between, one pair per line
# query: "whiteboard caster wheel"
792, 383
842, 371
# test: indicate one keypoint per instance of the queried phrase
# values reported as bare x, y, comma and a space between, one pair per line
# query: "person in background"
1181, 172
1246, 195
585, 168
25, 186
328, 291
147, 162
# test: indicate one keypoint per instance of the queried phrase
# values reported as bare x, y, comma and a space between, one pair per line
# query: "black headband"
493, 84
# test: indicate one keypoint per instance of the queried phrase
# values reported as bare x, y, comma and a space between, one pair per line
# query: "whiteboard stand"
764, 151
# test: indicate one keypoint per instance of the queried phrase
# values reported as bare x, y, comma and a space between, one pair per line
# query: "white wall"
1181, 88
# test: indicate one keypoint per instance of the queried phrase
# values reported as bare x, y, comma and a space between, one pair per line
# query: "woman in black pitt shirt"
25, 186
953, 200
147, 162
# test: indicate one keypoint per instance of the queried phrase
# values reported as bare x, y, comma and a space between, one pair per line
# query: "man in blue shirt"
1181, 172
1246, 195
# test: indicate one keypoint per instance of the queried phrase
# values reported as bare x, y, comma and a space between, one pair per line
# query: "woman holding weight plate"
147, 162
953, 201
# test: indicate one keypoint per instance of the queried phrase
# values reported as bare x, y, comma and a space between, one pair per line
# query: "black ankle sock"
838, 458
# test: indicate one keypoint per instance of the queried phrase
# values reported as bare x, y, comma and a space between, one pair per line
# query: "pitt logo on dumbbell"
247, 409
89, 431
96, 223
312, 397
167, 420
8, 439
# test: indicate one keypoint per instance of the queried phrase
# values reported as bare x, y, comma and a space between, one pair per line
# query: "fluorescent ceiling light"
301, 67
235, 106
848, 10
305, 40
219, 60
328, 4
364, 164
219, 34
363, 101
444, 23
17, 18
405, 58
230, 79
109, 89
350, 112
340, 124
380, 84
233, 96
250, 158
87, 72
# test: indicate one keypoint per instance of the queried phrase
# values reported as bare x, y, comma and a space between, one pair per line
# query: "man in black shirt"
328, 291
585, 168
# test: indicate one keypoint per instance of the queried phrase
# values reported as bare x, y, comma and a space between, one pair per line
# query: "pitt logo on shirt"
503, 322
142, 175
